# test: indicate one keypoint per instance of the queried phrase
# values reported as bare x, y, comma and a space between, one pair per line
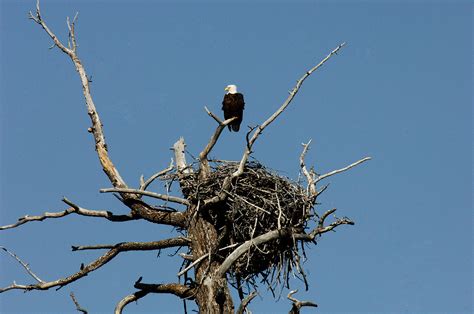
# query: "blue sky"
399, 92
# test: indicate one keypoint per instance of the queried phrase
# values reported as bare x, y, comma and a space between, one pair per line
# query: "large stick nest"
258, 202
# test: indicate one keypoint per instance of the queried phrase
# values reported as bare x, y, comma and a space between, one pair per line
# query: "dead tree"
243, 224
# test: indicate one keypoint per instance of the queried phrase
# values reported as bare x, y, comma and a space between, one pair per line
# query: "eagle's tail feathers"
236, 127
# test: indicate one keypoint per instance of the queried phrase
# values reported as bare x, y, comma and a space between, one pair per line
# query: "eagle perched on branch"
233, 106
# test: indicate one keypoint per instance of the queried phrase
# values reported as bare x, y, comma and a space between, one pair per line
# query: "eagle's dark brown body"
233, 106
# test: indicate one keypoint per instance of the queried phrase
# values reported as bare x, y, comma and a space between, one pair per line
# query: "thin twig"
25, 265
76, 303
145, 184
164, 197
324, 176
197, 261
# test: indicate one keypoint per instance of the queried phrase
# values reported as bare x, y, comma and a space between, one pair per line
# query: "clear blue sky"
401, 92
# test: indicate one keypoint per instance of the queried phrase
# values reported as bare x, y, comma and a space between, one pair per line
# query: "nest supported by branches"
258, 202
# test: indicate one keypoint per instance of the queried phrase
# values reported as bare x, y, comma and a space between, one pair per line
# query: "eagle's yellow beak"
227, 88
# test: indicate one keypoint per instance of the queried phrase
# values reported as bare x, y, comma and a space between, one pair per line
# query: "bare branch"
74, 209
78, 306
96, 129
245, 302
320, 229
188, 257
25, 265
324, 176
131, 200
324, 216
204, 164
92, 247
293, 92
178, 290
101, 261
145, 184
137, 246
180, 158
72, 35
297, 305
309, 178
129, 299
200, 259
241, 249
212, 115
167, 198
99, 213
197, 261
181, 291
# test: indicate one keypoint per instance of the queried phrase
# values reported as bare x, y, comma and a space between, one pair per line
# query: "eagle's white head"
231, 89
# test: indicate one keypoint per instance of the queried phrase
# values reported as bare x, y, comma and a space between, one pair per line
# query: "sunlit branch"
324, 176
96, 129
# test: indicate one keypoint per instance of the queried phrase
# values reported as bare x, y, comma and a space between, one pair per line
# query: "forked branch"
297, 304
144, 184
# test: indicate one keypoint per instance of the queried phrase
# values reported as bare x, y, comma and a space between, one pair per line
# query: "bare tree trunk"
213, 295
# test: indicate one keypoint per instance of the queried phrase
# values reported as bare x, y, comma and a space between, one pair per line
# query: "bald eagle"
233, 106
